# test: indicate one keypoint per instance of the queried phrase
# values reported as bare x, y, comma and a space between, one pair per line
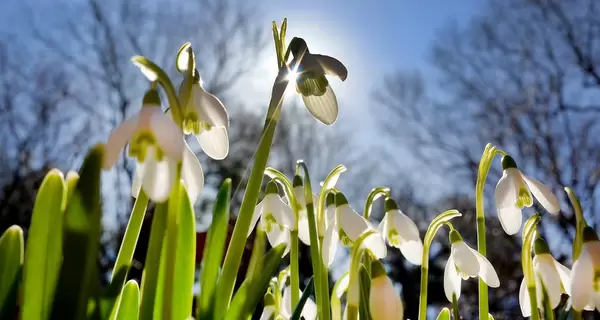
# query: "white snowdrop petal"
331, 66
118, 140
277, 235
524, 301
412, 251
464, 259
486, 271
452, 280
406, 227
309, 312
192, 174
158, 177
330, 244
582, 276
268, 311
565, 276
255, 216
510, 219
543, 195
214, 142
351, 222
544, 266
324, 108
304, 230
376, 245
210, 109
168, 135
507, 189
281, 211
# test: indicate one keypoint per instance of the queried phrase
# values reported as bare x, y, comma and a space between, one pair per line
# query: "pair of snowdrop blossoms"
65, 230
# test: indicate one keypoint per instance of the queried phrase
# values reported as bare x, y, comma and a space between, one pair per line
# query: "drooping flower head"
585, 275
311, 82
384, 301
401, 232
206, 118
465, 263
514, 192
155, 141
351, 225
276, 217
551, 275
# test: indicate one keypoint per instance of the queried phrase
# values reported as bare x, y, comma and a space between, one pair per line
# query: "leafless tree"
522, 75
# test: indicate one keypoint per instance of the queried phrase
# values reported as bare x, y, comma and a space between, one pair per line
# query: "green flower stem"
484, 168
336, 305
373, 195
580, 223
171, 242
294, 267
131, 234
319, 269
240, 231
433, 228
529, 232
152, 263
165, 82
455, 311
353, 296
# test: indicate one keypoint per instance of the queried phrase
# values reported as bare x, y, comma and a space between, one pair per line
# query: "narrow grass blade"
252, 289
78, 278
185, 260
213, 253
44, 248
305, 295
365, 290
152, 264
130, 301
11, 261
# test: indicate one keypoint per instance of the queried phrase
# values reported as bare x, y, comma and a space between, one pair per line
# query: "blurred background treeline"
522, 74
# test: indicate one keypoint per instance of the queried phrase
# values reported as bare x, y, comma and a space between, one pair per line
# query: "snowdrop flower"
465, 263
514, 192
303, 225
276, 217
192, 176
350, 226
585, 275
311, 82
205, 117
269, 309
550, 274
331, 239
401, 232
384, 301
309, 312
155, 141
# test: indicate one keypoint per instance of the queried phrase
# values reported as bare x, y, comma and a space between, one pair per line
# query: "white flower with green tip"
384, 301
514, 192
206, 118
276, 217
350, 226
585, 274
155, 141
401, 232
550, 274
309, 312
464, 263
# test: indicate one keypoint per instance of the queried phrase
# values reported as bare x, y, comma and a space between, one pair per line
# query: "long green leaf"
44, 248
213, 252
305, 294
11, 260
365, 288
185, 260
150, 276
444, 314
78, 278
130, 301
252, 289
